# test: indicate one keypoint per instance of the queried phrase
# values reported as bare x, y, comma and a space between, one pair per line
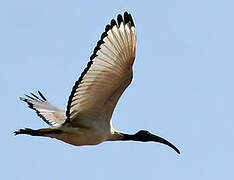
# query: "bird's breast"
84, 136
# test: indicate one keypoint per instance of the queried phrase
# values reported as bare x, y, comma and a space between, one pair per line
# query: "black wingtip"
34, 96
104, 34
131, 20
126, 18
119, 19
108, 27
113, 23
42, 96
30, 97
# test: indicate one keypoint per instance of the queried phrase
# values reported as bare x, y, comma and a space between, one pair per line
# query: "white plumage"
87, 119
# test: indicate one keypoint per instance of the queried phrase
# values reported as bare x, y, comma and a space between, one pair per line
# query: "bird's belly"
80, 137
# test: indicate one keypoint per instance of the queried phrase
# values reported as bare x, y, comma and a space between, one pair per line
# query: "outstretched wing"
107, 75
48, 112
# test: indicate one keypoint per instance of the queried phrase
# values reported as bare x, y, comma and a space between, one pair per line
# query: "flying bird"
87, 119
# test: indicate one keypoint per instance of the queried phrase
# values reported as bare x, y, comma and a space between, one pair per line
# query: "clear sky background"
183, 88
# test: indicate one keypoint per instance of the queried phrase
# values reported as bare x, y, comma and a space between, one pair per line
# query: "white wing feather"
107, 75
51, 114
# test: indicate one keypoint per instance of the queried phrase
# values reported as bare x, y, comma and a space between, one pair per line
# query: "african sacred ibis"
87, 119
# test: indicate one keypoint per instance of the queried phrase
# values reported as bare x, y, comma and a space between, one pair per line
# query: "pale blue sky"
183, 88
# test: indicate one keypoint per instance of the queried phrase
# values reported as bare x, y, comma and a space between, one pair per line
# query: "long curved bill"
163, 141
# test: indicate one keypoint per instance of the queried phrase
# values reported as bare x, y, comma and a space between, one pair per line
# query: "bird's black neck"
130, 137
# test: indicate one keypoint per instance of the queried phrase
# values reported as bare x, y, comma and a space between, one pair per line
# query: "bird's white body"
87, 120
97, 132
81, 136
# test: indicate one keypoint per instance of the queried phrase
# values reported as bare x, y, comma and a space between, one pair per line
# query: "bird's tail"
39, 132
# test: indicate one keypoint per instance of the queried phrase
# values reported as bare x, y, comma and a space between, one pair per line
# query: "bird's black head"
146, 136
143, 135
